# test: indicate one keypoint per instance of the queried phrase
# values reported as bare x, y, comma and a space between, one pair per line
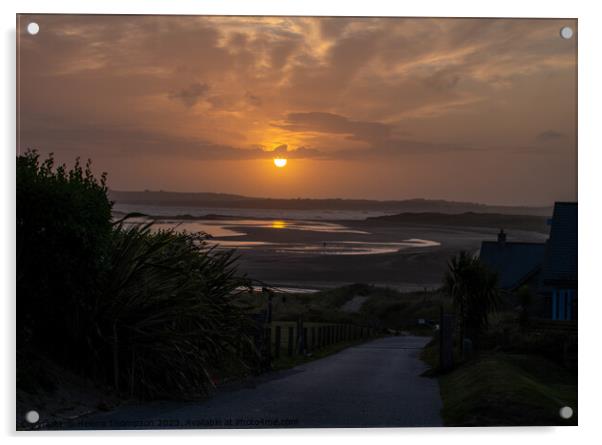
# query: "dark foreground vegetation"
508, 369
146, 314
513, 384
497, 388
384, 309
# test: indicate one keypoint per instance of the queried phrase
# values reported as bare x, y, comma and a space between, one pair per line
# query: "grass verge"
502, 389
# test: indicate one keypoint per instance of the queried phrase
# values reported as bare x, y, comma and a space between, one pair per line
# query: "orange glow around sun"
279, 162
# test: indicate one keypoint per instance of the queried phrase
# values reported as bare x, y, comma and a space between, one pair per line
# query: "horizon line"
345, 199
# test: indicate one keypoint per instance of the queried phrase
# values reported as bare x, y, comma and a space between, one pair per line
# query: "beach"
321, 253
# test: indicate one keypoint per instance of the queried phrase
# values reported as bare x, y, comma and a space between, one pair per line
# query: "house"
559, 270
549, 269
516, 263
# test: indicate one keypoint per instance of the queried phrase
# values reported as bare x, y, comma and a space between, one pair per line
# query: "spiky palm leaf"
165, 313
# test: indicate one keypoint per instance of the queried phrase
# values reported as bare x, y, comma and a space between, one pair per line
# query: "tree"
474, 292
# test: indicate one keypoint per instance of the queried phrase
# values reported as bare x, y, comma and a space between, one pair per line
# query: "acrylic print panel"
266, 222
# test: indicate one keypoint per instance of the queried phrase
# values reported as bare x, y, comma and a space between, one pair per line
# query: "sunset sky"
459, 109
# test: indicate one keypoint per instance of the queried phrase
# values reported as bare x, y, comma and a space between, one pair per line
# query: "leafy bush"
508, 336
149, 312
63, 233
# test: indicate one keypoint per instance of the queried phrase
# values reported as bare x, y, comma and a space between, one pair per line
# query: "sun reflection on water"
278, 224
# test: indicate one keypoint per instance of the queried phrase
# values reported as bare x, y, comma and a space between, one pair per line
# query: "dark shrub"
63, 231
150, 313
165, 324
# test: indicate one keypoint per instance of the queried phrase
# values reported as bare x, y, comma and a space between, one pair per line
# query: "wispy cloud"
361, 89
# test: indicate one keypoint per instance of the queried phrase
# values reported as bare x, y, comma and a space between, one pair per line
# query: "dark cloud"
282, 151
53, 134
442, 80
378, 136
190, 95
253, 100
550, 136
333, 27
371, 132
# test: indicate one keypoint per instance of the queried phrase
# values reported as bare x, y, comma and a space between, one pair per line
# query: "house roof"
560, 261
514, 262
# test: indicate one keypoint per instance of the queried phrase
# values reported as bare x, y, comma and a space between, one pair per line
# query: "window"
562, 304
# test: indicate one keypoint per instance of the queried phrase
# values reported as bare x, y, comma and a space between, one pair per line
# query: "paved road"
376, 384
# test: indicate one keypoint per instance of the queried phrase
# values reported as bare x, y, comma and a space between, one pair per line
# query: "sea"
231, 228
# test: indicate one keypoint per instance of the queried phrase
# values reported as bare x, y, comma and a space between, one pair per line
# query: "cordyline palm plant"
165, 318
474, 292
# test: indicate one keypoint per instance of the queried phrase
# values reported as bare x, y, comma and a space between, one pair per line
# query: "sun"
279, 162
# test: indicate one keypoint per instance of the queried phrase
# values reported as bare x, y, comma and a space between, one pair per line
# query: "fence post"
290, 340
305, 341
319, 337
300, 334
446, 341
277, 340
267, 347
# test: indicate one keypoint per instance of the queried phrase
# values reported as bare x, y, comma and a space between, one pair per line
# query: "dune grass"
383, 308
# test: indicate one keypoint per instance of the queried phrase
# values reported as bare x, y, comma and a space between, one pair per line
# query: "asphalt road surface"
375, 384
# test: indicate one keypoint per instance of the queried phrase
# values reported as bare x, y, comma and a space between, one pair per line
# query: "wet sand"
321, 254
407, 269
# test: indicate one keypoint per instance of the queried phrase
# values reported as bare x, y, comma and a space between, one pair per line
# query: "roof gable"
512, 261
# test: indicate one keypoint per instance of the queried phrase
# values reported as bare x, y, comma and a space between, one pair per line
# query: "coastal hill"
533, 223
221, 200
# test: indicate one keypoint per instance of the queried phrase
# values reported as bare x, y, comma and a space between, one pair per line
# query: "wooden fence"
290, 338
556, 326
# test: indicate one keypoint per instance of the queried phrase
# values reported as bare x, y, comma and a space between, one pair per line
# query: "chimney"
501, 238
